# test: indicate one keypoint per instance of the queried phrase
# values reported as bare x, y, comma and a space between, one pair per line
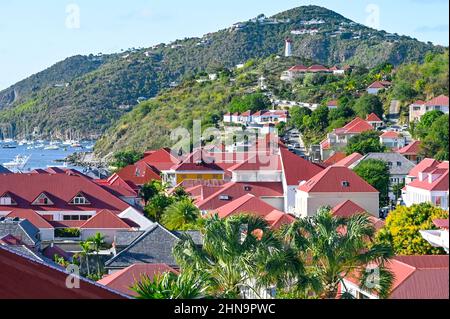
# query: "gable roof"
390, 134
199, 160
123, 279
21, 275
347, 209
32, 216
441, 223
60, 188
105, 219
441, 100
161, 159
336, 157
441, 183
246, 204
277, 219
349, 160
410, 149
236, 190
298, 68
331, 180
358, 125
21, 229
379, 85
295, 168
425, 164
394, 158
139, 173
153, 247
258, 162
418, 277
372, 117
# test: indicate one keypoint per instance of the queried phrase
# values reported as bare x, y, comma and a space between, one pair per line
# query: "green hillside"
99, 92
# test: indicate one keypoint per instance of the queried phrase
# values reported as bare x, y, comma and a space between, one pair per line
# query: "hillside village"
359, 153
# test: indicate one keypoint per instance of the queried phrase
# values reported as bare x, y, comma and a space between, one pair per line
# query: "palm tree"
334, 247
84, 254
233, 254
187, 285
180, 214
97, 241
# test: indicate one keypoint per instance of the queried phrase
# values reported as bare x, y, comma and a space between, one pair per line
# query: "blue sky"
36, 34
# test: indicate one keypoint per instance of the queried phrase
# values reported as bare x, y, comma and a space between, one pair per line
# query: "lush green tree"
333, 248
436, 143
125, 158
297, 114
156, 207
250, 102
341, 112
376, 173
151, 189
368, 104
187, 285
426, 121
402, 228
98, 242
234, 252
181, 215
281, 128
84, 254
364, 143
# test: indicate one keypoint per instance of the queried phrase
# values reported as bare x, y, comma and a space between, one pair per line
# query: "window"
399, 163
224, 197
84, 217
72, 217
390, 163
7, 200
42, 200
345, 184
80, 199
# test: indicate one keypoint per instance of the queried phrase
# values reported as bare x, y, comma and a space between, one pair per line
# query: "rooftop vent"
247, 188
16, 219
224, 197
345, 184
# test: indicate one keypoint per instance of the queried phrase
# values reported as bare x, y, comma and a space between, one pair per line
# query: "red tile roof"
259, 162
140, 173
441, 100
347, 209
349, 160
161, 159
298, 68
410, 149
336, 157
332, 103
325, 144
32, 216
105, 220
237, 190
439, 184
331, 181
390, 134
441, 223
117, 186
379, 85
277, 219
419, 102
372, 117
246, 204
123, 279
317, 68
295, 168
425, 164
24, 278
61, 189
198, 161
358, 125
420, 277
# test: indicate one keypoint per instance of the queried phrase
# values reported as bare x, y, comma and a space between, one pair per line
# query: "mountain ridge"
99, 94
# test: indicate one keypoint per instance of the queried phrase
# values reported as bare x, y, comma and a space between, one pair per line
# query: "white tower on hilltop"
288, 48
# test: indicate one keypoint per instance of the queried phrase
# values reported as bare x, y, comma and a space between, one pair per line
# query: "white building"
333, 186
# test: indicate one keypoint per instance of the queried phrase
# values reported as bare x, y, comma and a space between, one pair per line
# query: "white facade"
414, 195
437, 238
288, 48
373, 91
393, 142
307, 204
137, 217
256, 176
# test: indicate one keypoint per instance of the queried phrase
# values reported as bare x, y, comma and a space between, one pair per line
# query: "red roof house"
415, 277
349, 160
332, 186
123, 279
24, 278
